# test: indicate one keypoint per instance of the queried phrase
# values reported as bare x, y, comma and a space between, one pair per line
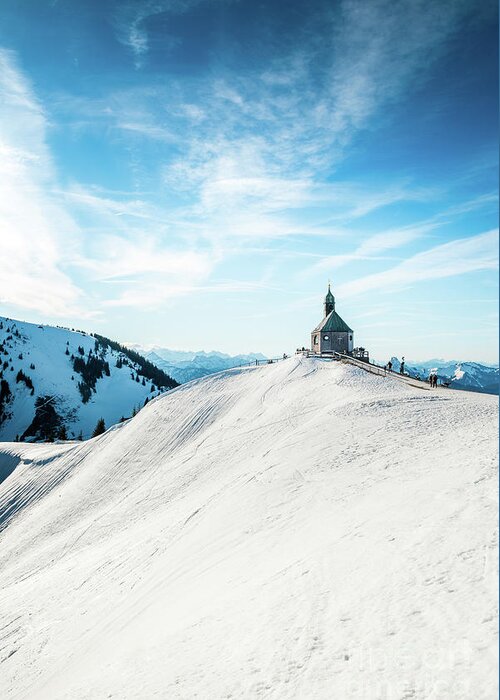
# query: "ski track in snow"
297, 530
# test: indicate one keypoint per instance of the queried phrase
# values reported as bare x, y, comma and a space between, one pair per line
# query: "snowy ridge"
45, 357
296, 530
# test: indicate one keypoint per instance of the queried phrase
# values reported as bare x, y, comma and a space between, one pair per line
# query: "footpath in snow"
299, 530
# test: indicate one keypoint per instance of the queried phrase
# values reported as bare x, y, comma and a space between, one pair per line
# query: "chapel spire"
329, 301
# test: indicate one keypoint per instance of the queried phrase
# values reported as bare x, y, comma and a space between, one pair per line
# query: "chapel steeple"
329, 301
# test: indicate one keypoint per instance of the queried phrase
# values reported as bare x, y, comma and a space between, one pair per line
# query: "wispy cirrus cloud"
52, 236
273, 136
37, 233
449, 259
250, 151
374, 247
125, 260
131, 248
131, 22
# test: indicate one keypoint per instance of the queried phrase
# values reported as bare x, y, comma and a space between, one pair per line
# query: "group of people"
433, 378
401, 366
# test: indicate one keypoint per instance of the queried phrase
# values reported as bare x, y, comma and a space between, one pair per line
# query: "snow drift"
298, 530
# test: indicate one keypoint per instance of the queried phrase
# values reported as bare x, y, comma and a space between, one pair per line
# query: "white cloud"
254, 148
143, 256
456, 257
123, 241
265, 149
36, 233
130, 246
374, 246
152, 131
107, 207
132, 17
388, 240
485, 201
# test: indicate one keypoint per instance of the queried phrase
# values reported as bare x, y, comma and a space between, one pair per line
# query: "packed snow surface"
299, 530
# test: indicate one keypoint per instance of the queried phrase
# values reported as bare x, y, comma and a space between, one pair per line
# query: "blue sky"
191, 173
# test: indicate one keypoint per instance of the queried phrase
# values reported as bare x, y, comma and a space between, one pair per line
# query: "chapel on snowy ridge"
332, 334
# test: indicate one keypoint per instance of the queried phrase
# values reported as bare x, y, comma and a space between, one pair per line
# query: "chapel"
332, 334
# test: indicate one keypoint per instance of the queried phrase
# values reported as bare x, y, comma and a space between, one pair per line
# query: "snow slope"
298, 530
40, 352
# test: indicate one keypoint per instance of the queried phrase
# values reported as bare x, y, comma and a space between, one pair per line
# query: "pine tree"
62, 433
100, 428
80, 436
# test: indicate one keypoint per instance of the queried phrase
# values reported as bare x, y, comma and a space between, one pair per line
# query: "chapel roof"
333, 324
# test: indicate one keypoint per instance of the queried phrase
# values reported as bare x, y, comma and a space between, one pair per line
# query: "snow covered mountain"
57, 383
470, 376
184, 366
296, 530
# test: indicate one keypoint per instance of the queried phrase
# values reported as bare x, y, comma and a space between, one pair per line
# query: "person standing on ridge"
402, 366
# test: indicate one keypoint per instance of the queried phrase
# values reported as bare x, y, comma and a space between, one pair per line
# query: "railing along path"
383, 371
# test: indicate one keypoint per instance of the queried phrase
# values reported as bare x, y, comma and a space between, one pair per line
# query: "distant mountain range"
183, 366
468, 376
57, 383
